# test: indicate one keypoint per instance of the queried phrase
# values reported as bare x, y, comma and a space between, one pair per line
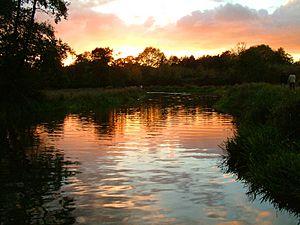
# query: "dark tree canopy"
102, 55
259, 63
29, 47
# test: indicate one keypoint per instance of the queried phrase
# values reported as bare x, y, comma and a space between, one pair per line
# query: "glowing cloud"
181, 27
163, 12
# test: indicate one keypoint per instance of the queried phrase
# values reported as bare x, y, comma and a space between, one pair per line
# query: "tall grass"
263, 104
56, 103
265, 152
268, 162
78, 100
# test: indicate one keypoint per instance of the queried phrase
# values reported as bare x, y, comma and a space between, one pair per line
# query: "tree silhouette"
239, 48
282, 57
26, 44
255, 64
122, 62
83, 58
102, 56
259, 63
151, 57
173, 60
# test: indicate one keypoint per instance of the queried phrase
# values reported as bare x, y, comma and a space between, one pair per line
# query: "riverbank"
265, 152
87, 99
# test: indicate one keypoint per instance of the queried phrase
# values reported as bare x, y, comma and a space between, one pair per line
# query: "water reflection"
155, 163
32, 174
152, 152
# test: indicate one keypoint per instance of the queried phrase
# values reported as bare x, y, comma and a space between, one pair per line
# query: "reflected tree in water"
31, 177
268, 164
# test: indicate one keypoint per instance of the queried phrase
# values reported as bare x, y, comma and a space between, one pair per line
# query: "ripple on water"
154, 164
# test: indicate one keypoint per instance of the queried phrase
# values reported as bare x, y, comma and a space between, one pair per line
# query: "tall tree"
102, 56
151, 57
25, 43
257, 64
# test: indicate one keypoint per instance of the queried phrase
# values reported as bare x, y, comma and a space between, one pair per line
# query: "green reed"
265, 151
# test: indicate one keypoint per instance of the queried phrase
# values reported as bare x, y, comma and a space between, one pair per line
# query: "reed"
265, 151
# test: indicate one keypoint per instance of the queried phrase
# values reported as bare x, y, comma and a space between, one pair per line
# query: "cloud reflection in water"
154, 165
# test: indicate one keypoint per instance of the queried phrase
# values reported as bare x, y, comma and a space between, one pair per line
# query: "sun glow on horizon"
126, 50
180, 28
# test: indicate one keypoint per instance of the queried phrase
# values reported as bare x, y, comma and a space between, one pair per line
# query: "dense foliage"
265, 152
151, 67
29, 50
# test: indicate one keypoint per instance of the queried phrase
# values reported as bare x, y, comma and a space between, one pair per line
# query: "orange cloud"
230, 24
211, 31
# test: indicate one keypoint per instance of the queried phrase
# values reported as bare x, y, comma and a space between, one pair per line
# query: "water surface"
154, 163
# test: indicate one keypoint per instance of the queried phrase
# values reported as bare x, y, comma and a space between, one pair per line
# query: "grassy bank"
265, 152
56, 104
77, 100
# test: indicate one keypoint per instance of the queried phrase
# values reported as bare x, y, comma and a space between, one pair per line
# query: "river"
152, 163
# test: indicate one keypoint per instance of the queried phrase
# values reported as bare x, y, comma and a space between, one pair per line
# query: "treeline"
98, 68
31, 59
151, 67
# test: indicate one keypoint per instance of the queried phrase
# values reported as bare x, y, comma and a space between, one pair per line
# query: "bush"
265, 152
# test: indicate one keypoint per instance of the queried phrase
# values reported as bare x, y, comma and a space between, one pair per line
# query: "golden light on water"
156, 161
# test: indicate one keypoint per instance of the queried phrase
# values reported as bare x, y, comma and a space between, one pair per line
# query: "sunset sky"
181, 27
